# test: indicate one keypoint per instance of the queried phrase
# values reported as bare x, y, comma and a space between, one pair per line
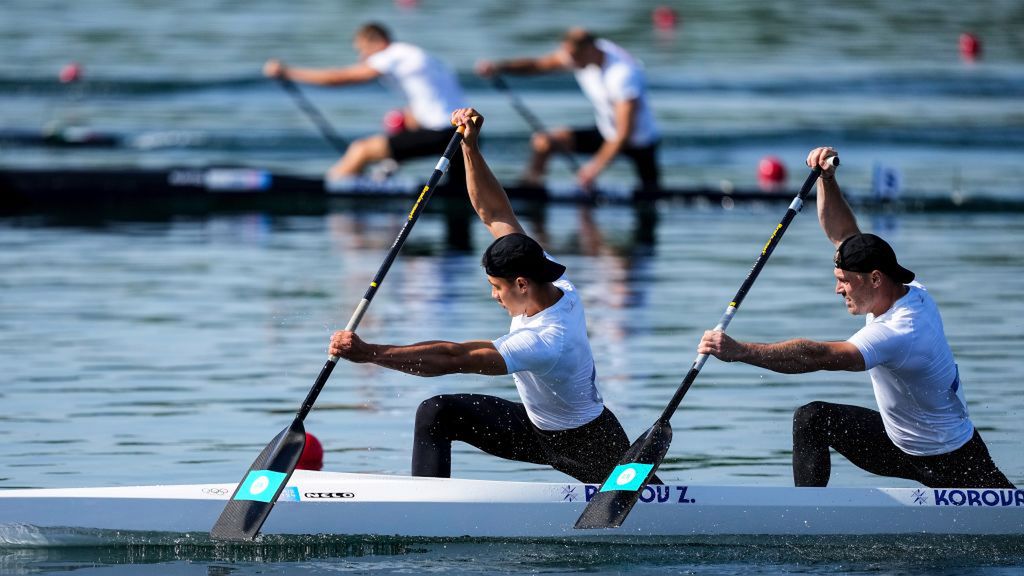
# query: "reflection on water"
195, 554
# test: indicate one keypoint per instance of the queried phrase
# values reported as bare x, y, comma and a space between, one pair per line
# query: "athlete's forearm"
328, 76
625, 121
607, 152
796, 356
433, 358
526, 66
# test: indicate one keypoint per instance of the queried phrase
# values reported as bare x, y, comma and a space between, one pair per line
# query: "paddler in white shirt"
560, 419
616, 86
431, 90
921, 430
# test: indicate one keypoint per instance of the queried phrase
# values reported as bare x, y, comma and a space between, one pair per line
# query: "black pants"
645, 158
409, 144
502, 428
416, 143
858, 434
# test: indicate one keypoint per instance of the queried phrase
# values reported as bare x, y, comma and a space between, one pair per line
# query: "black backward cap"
515, 255
867, 252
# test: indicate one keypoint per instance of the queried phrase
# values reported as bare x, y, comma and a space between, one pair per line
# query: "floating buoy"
771, 173
772, 169
312, 454
665, 18
70, 73
394, 122
970, 47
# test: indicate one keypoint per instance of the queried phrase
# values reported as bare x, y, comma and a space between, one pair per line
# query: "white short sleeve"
384, 61
527, 351
624, 83
880, 345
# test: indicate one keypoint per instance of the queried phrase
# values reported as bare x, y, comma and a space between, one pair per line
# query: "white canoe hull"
362, 504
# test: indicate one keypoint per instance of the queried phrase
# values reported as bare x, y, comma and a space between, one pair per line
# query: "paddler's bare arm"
355, 74
485, 192
625, 122
796, 356
834, 213
552, 62
434, 358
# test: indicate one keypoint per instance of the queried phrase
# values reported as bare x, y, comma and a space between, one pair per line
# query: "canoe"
364, 504
203, 189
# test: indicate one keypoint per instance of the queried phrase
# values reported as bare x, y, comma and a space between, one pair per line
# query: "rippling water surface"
189, 342
172, 350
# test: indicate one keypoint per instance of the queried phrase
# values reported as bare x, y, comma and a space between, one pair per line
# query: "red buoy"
970, 47
665, 18
771, 173
70, 73
312, 454
394, 122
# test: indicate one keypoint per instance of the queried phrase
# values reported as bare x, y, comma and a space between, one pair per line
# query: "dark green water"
147, 553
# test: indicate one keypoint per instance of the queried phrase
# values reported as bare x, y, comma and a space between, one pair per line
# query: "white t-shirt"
549, 357
916, 381
620, 79
430, 87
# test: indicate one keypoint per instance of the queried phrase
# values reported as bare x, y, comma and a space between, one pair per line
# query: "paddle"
262, 485
616, 497
325, 128
532, 120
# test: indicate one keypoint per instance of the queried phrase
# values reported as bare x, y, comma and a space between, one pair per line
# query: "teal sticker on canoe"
260, 485
628, 477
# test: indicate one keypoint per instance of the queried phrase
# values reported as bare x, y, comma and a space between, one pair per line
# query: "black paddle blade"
252, 501
616, 497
